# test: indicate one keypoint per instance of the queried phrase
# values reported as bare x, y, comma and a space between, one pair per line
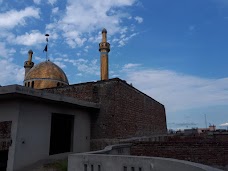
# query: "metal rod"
205, 120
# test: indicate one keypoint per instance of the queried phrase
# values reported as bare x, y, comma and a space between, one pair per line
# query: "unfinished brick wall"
82, 91
125, 111
5, 135
137, 113
206, 150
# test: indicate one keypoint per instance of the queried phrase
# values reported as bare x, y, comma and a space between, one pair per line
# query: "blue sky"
175, 51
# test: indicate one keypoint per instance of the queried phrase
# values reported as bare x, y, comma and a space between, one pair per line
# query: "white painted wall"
31, 130
9, 112
33, 135
81, 138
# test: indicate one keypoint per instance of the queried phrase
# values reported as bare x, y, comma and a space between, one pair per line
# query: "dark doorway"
3, 160
61, 133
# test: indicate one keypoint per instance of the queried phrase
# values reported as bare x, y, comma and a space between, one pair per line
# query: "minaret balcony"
104, 45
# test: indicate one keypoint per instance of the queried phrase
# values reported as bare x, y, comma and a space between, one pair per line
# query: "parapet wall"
113, 158
211, 150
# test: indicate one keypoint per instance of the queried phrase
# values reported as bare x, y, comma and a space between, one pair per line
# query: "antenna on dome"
46, 47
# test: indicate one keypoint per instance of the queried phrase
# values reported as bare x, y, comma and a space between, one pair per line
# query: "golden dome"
45, 75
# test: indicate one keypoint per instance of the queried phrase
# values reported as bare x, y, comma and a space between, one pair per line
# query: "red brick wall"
125, 112
80, 91
137, 113
209, 151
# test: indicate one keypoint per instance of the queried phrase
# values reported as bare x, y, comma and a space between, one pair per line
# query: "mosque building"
48, 116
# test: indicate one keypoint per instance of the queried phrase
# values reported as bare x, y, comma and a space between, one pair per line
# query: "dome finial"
46, 47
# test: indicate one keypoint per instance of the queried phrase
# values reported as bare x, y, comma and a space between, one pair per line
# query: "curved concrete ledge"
118, 149
103, 160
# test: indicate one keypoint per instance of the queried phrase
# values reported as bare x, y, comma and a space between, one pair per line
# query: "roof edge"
109, 80
18, 89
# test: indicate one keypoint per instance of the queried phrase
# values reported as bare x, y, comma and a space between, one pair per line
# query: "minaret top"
104, 35
28, 64
104, 30
30, 53
104, 46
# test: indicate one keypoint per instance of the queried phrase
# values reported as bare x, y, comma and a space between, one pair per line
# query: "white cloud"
24, 51
183, 125
85, 66
39, 59
10, 72
123, 40
178, 91
37, 1
139, 19
224, 124
82, 65
84, 18
60, 64
86, 49
52, 2
89, 67
74, 38
55, 10
12, 18
130, 65
29, 39
4, 52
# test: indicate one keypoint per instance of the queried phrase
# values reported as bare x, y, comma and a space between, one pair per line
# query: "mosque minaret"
104, 48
